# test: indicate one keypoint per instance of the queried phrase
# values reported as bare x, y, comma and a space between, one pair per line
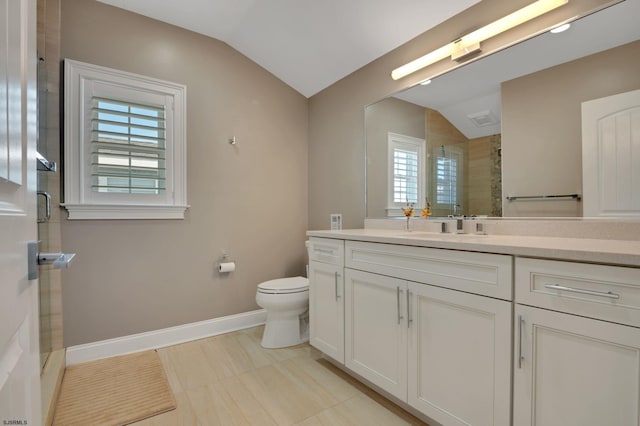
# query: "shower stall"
52, 352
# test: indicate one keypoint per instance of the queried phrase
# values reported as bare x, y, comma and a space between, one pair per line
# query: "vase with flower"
426, 211
408, 213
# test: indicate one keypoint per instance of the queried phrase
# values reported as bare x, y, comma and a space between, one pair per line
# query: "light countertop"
606, 251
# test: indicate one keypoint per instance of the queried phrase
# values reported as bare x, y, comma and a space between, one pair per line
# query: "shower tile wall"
479, 187
495, 142
484, 173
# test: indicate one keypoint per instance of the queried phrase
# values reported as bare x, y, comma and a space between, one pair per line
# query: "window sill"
124, 211
396, 211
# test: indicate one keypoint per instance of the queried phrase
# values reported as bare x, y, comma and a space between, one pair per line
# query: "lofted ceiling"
308, 44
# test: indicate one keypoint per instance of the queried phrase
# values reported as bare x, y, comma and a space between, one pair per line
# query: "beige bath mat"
114, 391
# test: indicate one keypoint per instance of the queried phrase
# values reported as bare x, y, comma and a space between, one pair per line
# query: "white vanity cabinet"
501, 337
326, 296
445, 352
376, 330
577, 344
459, 356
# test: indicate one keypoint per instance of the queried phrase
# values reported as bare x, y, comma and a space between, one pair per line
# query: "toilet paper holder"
226, 264
226, 267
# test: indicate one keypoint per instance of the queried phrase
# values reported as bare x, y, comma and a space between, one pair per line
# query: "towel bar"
576, 197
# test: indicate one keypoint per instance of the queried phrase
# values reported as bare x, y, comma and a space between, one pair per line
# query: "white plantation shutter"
405, 175
128, 147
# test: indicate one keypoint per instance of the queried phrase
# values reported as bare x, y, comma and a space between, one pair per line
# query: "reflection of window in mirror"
405, 176
446, 181
448, 170
406, 184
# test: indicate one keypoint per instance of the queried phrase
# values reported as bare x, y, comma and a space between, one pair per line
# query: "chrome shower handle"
47, 206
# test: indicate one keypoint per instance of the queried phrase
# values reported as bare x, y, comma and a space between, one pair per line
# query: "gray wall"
541, 127
388, 115
336, 115
250, 199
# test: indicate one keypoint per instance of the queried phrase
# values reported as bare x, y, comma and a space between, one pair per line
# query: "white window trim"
75, 182
397, 140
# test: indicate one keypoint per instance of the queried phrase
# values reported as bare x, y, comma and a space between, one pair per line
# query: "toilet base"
281, 331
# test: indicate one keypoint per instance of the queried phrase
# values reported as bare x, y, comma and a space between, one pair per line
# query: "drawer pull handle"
400, 317
323, 251
608, 294
335, 281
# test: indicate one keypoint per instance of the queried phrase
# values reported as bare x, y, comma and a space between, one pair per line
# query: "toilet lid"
284, 285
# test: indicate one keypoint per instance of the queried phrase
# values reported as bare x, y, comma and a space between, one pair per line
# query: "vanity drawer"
479, 273
610, 293
326, 250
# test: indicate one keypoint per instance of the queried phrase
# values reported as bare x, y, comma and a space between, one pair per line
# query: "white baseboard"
165, 337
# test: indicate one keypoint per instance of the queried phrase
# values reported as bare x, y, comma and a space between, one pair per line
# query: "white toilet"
286, 301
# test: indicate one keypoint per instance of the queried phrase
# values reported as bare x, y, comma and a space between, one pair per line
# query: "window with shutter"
405, 176
447, 175
406, 172
125, 145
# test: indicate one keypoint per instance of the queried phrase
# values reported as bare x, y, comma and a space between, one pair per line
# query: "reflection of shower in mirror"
536, 103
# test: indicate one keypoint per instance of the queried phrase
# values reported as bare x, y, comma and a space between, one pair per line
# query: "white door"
376, 330
611, 156
19, 354
575, 371
326, 309
459, 356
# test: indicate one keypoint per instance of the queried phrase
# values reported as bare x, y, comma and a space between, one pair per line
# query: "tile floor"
231, 380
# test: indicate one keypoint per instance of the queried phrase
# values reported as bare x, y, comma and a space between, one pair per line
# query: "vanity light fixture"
560, 29
470, 43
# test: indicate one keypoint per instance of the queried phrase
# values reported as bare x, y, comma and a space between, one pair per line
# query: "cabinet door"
326, 309
459, 356
376, 330
574, 371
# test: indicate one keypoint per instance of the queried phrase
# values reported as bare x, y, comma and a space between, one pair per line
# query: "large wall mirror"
490, 137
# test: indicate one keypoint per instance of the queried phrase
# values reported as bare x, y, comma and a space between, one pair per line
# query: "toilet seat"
284, 286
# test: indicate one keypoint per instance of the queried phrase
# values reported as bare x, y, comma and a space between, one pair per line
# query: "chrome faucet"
460, 225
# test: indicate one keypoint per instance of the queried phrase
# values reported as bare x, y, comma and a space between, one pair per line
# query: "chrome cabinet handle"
335, 281
400, 317
608, 294
409, 319
47, 206
520, 356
